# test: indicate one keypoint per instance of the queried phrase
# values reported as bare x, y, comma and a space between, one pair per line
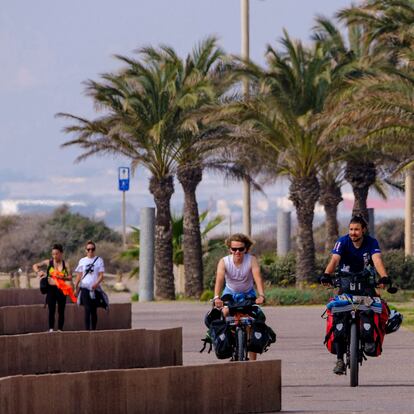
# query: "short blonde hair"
240, 237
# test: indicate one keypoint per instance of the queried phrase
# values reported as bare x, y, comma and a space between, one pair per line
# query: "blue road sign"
123, 178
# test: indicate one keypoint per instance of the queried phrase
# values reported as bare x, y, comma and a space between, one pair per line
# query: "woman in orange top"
57, 267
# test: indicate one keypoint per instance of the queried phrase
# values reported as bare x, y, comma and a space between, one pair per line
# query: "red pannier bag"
377, 333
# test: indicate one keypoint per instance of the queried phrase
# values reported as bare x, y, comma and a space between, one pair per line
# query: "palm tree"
351, 59
204, 66
143, 121
279, 123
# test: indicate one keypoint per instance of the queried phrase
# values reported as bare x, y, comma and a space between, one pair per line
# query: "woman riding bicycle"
240, 271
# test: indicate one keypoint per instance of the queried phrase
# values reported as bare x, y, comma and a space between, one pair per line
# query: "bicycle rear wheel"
353, 355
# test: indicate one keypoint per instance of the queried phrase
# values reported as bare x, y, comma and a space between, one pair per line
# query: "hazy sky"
48, 48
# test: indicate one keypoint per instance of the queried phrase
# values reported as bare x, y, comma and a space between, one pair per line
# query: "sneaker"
340, 368
50, 330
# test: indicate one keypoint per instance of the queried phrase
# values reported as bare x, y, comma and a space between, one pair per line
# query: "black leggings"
54, 294
90, 305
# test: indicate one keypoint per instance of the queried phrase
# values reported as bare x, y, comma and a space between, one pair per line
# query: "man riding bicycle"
353, 253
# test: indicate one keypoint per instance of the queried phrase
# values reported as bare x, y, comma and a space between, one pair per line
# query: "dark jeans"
54, 294
90, 305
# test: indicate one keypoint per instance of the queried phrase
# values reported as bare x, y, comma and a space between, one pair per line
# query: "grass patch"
407, 310
293, 296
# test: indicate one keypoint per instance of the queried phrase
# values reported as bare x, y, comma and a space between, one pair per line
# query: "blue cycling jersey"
355, 259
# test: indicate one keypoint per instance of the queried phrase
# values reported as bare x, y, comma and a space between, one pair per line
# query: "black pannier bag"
261, 336
221, 337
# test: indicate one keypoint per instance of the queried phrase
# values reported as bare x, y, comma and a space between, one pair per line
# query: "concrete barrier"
41, 353
237, 387
16, 297
34, 318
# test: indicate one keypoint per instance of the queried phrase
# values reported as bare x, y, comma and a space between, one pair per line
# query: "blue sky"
49, 47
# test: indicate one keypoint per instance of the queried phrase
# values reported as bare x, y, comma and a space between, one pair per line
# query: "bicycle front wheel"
241, 346
353, 355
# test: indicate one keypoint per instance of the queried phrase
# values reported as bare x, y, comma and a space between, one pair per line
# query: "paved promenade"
309, 386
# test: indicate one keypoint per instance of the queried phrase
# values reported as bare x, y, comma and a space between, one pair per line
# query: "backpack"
44, 283
261, 336
222, 339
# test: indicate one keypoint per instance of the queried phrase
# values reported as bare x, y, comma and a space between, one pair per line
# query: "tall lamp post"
247, 225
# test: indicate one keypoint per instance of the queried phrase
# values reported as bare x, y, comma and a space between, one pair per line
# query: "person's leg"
340, 348
61, 299
94, 315
51, 304
86, 302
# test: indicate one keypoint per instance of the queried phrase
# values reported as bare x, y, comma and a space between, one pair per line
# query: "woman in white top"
240, 270
90, 273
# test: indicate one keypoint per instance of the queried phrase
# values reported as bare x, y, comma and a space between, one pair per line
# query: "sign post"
123, 185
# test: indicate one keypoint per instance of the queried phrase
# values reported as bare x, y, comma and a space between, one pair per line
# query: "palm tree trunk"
330, 198
162, 190
361, 175
190, 177
304, 192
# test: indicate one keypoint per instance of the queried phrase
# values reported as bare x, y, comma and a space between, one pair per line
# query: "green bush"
278, 270
135, 297
400, 268
206, 295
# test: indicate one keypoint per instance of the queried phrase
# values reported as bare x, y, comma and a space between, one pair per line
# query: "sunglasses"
238, 249
91, 250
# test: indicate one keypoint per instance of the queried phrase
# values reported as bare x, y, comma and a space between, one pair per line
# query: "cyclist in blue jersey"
353, 253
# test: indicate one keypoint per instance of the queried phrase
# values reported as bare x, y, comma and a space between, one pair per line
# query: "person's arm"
258, 281
99, 280
68, 276
333, 264
330, 269
379, 267
218, 287
36, 267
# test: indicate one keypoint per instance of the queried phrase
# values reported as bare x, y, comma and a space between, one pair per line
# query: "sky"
49, 48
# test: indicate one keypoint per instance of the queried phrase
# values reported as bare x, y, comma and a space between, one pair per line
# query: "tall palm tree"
351, 58
143, 121
205, 66
279, 123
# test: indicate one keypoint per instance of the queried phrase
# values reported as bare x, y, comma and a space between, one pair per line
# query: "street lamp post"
247, 226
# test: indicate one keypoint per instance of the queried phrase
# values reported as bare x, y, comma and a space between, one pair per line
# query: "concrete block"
16, 320
40, 353
238, 387
17, 297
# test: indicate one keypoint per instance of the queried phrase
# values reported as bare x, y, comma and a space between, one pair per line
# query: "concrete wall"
41, 353
16, 297
237, 387
34, 318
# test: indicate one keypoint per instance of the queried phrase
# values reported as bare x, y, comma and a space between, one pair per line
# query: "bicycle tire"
353, 355
241, 345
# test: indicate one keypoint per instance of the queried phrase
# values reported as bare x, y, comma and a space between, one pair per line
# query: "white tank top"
239, 279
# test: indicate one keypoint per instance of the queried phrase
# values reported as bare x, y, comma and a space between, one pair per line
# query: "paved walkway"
309, 386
